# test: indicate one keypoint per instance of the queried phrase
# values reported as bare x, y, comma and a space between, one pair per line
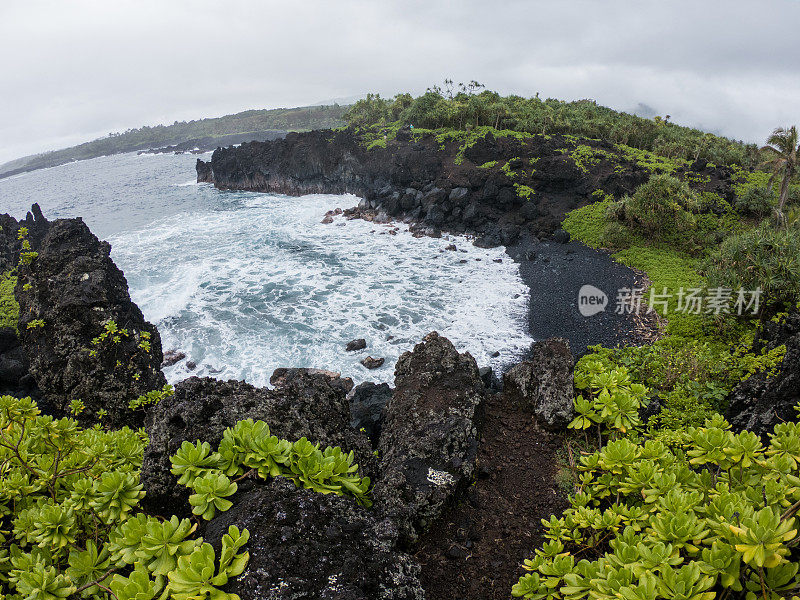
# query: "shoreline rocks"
372, 363
355, 345
416, 180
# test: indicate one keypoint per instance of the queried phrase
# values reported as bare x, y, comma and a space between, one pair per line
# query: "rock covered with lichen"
429, 440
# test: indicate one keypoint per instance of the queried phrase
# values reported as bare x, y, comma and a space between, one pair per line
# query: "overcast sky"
78, 69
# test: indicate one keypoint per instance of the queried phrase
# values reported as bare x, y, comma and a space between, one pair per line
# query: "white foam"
260, 283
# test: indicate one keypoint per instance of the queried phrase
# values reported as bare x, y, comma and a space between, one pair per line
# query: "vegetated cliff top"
143, 138
439, 109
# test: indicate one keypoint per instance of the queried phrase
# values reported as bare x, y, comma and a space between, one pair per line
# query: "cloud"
73, 70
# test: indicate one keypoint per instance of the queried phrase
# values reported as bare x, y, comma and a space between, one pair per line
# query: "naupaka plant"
711, 516
70, 500
248, 448
612, 401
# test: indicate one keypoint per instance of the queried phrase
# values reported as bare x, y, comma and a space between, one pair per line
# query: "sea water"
244, 282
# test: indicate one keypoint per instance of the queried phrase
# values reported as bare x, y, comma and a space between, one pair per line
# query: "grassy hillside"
283, 119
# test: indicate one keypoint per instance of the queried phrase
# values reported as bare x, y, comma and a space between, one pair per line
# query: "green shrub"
712, 517
762, 258
69, 497
249, 447
9, 307
756, 201
663, 206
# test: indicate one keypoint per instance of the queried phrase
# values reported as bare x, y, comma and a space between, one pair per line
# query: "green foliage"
9, 307
613, 400
586, 156
763, 258
524, 191
69, 498
713, 515
197, 575
152, 397
248, 446
210, 494
35, 324
472, 108
756, 201
664, 207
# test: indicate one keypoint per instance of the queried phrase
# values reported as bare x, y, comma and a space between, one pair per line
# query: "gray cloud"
79, 69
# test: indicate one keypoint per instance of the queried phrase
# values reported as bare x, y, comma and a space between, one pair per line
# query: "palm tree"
783, 148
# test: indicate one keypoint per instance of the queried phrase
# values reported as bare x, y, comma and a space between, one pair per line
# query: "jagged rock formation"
441, 185
67, 295
309, 545
761, 402
310, 405
543, 384
429, 441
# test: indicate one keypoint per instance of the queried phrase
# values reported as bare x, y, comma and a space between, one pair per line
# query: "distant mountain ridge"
257, 122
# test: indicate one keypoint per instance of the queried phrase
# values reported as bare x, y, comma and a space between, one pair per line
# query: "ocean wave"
257, 282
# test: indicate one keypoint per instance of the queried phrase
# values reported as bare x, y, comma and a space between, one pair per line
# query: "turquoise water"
244, 283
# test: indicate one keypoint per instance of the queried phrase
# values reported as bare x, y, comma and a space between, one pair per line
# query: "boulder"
306, 405
74, 289
373, 363
429, 439
367, 402
762, 401
354, 345
458, 193
13, 364
172, 357
560, 236
309, 545
544, 384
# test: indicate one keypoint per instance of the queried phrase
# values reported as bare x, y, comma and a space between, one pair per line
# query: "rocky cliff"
80, 335
498, 187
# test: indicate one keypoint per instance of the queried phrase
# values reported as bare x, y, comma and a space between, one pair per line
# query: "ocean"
246, 282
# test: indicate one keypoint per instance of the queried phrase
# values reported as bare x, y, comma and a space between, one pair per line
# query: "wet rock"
172, 357
761, 402
367, 401
309, 545
489, 378
429, 440
201, 409
76, 290
191, 365
354, 345
372, 363
544, 383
